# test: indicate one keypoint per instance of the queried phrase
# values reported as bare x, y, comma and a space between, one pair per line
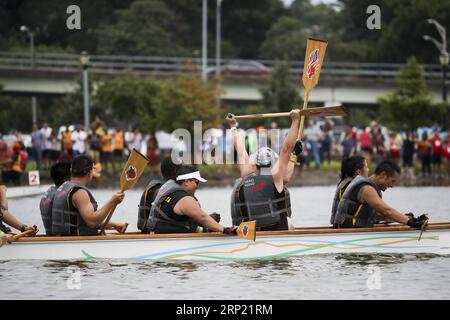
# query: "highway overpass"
347, 83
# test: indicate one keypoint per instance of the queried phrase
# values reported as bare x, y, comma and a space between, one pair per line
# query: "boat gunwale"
186, 236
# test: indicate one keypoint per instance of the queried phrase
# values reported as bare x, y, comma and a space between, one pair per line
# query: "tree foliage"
185, 100
251, 29
409, 106
281, 95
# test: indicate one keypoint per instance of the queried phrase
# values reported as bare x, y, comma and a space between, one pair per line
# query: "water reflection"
382, 259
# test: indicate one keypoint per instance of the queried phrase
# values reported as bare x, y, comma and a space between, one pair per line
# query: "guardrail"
171, 65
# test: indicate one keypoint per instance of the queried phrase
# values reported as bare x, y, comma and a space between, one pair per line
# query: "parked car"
242, 68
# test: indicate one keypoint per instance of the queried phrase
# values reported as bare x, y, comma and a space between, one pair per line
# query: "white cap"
191, 175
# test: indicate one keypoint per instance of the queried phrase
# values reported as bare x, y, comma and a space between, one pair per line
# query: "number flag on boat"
247, 230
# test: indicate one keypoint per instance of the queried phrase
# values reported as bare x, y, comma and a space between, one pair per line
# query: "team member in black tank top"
176, 210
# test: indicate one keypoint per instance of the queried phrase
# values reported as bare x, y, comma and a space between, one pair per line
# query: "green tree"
285, 40
245, 24
15, 113
129, 99
185, 100
145, 28
281, 95
409, 106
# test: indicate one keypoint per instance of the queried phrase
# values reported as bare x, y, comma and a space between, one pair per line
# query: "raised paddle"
131, 172
331, 111
315, 52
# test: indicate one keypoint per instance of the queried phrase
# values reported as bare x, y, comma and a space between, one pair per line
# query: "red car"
242, 68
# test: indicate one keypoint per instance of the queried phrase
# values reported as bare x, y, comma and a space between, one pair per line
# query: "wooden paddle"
315, 52
247, 230
130, 175
20, 235
331, 111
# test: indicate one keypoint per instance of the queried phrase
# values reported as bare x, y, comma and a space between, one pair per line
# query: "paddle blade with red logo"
315, 52
247, 230
133, 169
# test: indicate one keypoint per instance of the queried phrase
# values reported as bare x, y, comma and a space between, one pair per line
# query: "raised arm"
280, 168
243, 158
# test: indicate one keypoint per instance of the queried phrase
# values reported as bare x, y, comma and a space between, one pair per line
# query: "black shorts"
408, 162
436, 159
106, 156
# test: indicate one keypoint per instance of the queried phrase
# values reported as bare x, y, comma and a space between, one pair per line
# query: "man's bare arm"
238, 142
93, 218
188, 206
280, 168
371, 197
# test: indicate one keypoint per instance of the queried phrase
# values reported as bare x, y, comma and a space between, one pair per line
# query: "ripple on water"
342, 276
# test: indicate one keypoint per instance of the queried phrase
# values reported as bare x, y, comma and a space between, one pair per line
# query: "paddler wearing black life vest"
74, 209
350, 168
7, 217
60, 173
177, 210
169, 172
260, 194
362, 205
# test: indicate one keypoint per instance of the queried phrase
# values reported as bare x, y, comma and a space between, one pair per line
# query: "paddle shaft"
329, 111
102, 231
302, 118
23, 234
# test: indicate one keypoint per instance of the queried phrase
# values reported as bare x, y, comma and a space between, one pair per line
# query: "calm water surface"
345, 276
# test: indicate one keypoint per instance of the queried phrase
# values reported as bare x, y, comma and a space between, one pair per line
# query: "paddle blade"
315, 52
133, 170
332, 111
247, 230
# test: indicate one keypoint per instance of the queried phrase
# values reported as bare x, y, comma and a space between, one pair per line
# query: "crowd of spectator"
323, 142
45, 146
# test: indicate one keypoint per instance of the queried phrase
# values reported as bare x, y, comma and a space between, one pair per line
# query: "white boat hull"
268, 245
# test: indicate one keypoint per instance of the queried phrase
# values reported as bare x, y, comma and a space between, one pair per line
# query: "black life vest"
162, 219
256, 198
146, 203
67, 220
351, 212
338, 196
46, 209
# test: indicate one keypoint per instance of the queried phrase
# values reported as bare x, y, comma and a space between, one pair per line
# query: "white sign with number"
33, 178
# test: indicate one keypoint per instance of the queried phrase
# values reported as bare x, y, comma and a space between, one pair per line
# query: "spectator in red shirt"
446, 155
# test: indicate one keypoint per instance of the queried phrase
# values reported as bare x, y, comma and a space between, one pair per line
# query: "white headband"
191, 175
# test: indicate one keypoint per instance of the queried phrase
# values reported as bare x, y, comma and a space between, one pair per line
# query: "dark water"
344, 276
